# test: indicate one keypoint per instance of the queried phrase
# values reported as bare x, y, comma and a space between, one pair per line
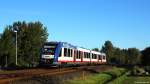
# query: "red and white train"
58, 53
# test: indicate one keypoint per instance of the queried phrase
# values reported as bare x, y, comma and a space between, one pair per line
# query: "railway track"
24, 74
39, 72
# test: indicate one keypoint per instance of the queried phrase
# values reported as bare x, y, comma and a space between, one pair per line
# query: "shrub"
137, 71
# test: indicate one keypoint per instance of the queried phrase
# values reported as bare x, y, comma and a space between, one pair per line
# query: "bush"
137, 71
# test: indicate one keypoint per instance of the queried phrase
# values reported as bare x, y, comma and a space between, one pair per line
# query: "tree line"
130, 56
30, 38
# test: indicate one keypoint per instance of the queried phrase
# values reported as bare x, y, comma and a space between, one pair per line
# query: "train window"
104, 57
65, 52
95, 56
92, 56
68, 52
79, 54
88, 55
85, 54
75, 53
100, 57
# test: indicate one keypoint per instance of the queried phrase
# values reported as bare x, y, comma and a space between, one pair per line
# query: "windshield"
49, 49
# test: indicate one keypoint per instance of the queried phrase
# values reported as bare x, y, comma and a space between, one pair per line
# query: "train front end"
48, 54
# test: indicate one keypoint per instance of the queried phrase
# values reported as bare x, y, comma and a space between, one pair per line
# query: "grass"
93, 79
124, 79
119, 80
99, 78
136, 80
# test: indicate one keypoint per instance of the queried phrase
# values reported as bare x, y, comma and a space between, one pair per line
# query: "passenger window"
68, 52
71, 53
100, 58
84, 54
92, 56
95, 56
89, 55
65, 52
79, 54
75, 53
104, 57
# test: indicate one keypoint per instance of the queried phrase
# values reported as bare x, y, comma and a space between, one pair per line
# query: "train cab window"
65, 52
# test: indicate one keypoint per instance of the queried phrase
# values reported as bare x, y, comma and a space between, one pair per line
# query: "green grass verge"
136, 80
100, 78
119, 80
93, 79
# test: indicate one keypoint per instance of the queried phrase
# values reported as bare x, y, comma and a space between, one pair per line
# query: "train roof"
64, 44
68, 45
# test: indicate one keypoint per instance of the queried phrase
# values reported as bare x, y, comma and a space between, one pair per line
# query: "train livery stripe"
57, 51
75, 61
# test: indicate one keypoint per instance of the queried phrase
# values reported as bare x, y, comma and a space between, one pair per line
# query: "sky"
85, 23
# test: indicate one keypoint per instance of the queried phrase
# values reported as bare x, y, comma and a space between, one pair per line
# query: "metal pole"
16, 49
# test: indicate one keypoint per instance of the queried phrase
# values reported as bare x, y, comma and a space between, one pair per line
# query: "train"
62, 53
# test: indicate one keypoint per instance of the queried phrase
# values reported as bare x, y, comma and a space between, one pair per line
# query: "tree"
7, 48
96, 49
109, 50
31, 36
146, 56
134, 56
121, 56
